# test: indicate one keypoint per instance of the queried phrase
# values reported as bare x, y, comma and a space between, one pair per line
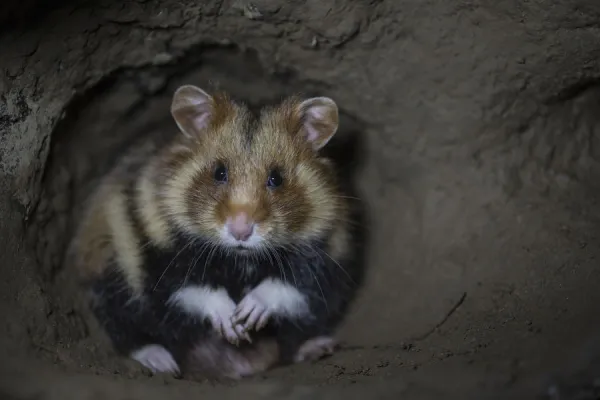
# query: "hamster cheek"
294, 214
206, 213
273, 229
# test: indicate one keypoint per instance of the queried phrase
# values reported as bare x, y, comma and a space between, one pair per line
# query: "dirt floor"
478, 163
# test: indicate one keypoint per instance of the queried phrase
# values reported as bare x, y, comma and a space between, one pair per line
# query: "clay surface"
478, 163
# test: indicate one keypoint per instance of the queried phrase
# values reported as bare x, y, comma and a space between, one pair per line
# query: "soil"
478, 163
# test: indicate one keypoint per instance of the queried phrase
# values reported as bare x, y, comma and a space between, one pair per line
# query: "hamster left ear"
320, 119
191, 109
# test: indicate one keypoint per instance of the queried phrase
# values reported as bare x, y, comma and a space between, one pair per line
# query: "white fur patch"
213, 304
283, 300
203, 301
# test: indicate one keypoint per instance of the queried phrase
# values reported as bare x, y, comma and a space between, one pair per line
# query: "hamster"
231, 238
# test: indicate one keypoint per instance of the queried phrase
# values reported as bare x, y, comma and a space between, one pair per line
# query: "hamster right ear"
191, 109
320, 119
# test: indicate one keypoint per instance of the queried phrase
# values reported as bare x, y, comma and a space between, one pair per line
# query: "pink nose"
240, 227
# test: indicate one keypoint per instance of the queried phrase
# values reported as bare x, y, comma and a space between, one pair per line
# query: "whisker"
170, 263
264, 250
193, 264
344, 220
348, 197
207, 246
208, 259
279, 265
336, 263
291, 270
320, 289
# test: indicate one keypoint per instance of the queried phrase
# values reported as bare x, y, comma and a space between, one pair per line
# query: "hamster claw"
225, 328
251, 313
230, 334
242, 332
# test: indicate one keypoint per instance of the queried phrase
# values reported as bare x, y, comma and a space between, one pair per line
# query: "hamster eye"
275, 179
221, 173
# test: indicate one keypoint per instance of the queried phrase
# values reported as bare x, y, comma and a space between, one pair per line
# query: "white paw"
221, 319
252, 313
315, 349
156, 358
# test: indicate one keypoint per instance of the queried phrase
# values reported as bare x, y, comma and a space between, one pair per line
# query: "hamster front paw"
252, 313
221, 319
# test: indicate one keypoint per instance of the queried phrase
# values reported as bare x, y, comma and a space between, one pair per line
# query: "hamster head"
252, 183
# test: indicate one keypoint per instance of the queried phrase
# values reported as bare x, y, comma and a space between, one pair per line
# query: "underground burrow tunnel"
477, 165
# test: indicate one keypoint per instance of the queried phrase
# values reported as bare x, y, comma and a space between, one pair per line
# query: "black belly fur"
132, 323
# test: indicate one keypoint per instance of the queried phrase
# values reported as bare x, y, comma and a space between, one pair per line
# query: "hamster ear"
191, 109
320, 119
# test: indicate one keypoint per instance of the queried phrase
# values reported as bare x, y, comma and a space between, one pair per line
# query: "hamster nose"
240, 227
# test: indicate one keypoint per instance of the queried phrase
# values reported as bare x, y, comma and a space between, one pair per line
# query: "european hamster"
233, 234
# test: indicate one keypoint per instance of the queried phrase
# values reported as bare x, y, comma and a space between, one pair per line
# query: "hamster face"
250, 184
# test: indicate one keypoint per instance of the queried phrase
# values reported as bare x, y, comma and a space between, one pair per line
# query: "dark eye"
221, 173
275, 179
